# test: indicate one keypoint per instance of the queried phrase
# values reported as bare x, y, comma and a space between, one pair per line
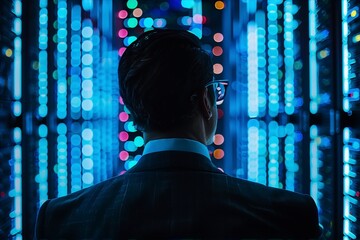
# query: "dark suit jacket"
178, 195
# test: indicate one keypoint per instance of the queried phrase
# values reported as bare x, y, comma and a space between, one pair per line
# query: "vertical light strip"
260, 19
351, 144
100, 105
16, 170
42, 177
87, 103
262, 153
261, 57
289, 156
253, 150
314, 159
75, 98
273, 58
253, 98
61, 63
289, 95
348, 173
345, 57
289, 90
273, 149
313, 75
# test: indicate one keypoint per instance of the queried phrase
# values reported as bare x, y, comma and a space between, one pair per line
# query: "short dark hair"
158, 74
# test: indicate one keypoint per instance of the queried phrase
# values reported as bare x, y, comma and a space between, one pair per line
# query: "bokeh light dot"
8, 52
121, 52
137, 12
139, 141
148, 22
218, 37
124, 155
217, 51
122, 33
131, 4
219, 5
87, 178
197, 18
218, 68
87, 32
218, 139
131, 22
218, 154
123, 136
123, 116
122, 14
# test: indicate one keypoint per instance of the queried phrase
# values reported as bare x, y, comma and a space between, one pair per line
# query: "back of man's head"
158, 75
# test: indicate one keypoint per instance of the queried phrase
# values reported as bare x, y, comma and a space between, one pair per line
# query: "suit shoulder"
99, 189
294, 211
260, 190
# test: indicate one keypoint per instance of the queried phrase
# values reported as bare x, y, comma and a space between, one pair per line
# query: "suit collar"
174, 161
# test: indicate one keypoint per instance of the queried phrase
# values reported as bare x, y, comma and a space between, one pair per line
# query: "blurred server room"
291, 119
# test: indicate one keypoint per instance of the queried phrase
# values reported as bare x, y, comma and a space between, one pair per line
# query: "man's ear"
206, 104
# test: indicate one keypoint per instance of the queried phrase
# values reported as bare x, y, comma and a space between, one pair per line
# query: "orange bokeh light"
219, 5
218, 154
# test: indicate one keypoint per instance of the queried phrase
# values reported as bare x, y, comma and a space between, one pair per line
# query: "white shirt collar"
176, 144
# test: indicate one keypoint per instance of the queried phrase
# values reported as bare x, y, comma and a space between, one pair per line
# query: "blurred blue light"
61, 128
87, 150
87, 163
187, 3
129, 164
129, 40
88, 178
87, 105
139, 141
87, 134
87, 59
62, 87
87, 4
75, 140
75, 102
197, 32
160, 22
43, 130
87, 32
87, 72
62, 13
148, 22
185, 20
129, 126
87, 84
87, 46
130, 146
62, 33
76, 25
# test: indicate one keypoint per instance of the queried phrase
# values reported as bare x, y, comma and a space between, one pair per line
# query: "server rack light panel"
10, 120
351, 134
268, 68
200, 18
322, 107
76, 97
